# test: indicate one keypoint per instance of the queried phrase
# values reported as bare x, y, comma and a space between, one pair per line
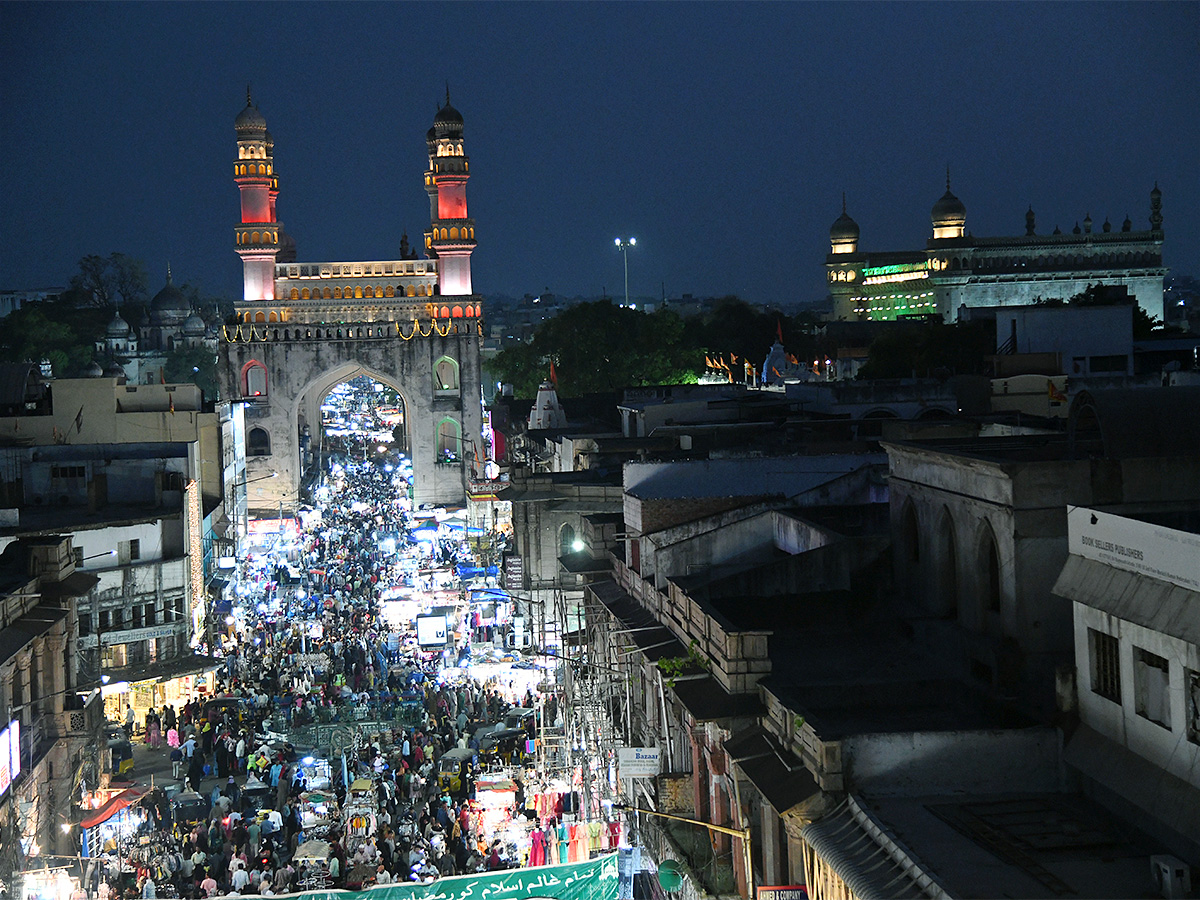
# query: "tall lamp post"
623, 244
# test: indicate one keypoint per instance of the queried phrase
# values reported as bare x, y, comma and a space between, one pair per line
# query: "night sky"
720, 135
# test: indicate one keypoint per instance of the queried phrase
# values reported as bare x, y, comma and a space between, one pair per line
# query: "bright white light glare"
308, 761
229, 620
301, 593
577, 545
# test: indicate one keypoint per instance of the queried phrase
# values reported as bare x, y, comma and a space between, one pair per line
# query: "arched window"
470, 310
389, 291
260, 317
456, 312
258, 442
445, 312
454, 233
990, 569
369, 292
477, 312
328, 294
567, 541
295, 294
448, 441
304, 295
445, 374
254, 380
358, 292
947, 559
337, 293
273, 316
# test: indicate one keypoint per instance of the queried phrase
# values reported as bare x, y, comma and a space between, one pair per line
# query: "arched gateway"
302, 328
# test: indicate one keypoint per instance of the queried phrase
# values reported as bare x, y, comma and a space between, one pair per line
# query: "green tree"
598, 347
103, 281
54, 330
193, 365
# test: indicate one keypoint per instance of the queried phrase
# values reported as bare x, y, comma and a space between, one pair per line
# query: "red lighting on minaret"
451, 234
257, 237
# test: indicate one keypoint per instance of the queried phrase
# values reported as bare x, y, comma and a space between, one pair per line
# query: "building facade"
957, 270
302, 328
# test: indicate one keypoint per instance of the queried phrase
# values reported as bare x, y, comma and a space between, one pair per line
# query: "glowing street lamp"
623, 244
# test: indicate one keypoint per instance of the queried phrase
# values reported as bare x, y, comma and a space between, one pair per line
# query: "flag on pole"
79, 420
553, 375
171, 404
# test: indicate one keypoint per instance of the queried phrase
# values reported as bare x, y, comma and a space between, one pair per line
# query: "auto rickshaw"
190, 808
450, 766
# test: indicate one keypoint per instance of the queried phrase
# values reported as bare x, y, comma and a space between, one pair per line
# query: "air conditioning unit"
1172, 877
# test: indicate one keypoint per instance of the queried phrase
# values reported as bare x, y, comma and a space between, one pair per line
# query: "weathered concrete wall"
953, 762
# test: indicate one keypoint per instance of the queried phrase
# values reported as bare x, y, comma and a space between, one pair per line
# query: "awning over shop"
1150, 602
707, 701
35, 623
842, 842
115, 804
192, 664
778, 775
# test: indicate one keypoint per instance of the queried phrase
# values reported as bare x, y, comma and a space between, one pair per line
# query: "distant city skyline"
721, 135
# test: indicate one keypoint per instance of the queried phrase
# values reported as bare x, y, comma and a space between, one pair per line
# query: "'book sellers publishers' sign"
1135, 546
638, 762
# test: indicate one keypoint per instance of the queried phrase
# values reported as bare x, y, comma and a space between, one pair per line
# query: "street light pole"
623, 244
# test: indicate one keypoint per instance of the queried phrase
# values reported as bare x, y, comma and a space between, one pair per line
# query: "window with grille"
1106, 665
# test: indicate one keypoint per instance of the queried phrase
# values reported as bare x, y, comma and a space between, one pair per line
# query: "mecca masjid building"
957, 270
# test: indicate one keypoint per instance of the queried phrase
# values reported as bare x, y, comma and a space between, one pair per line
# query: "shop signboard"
781, 892
431, 631
514, 573
638, 762
1144, 548
130, 635
10, 755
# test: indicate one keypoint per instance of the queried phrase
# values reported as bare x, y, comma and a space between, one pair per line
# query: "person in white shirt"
240, 878
383, 876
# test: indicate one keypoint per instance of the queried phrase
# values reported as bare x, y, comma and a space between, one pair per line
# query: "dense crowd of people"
309, 646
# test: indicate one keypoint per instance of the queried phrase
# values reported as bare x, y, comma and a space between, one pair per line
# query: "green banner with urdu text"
595, 879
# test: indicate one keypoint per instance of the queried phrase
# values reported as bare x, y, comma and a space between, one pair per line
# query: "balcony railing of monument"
274, 332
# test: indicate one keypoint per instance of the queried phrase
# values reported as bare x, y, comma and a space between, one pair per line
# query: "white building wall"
1170, 748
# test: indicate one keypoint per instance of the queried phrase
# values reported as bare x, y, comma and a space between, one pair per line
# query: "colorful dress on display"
537, 849
564, 842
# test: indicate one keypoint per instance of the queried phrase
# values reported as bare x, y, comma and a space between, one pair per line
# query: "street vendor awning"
127, 797
311, 850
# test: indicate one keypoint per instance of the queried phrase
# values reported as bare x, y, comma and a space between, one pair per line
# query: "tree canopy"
600, 346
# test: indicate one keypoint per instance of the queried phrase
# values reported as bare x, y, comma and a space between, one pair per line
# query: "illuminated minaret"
451, 235
257, 236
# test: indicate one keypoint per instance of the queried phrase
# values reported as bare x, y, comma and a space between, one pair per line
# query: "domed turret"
448, 122
93, 371
169, 305
193, 326
843, 235
114, 370
250, 122
948, 214
287, 248
117, 328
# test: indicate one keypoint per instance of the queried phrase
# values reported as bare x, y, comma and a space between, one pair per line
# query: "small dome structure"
448, 122
948, 215
194, 326
93, 371
169, 305
250, 123
117, 328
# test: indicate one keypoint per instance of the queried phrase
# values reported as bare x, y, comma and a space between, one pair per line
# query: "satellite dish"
670, 875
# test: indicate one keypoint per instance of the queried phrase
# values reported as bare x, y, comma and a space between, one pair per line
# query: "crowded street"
370, 723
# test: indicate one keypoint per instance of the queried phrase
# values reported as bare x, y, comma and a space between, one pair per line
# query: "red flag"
171, 404
553, 375
162, 377
779, 330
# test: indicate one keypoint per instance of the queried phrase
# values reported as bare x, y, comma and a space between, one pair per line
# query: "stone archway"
302, 370
307, 406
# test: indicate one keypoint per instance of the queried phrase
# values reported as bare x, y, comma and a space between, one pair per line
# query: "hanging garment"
537, 848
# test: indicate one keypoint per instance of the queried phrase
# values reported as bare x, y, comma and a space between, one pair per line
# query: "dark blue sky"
721, 135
